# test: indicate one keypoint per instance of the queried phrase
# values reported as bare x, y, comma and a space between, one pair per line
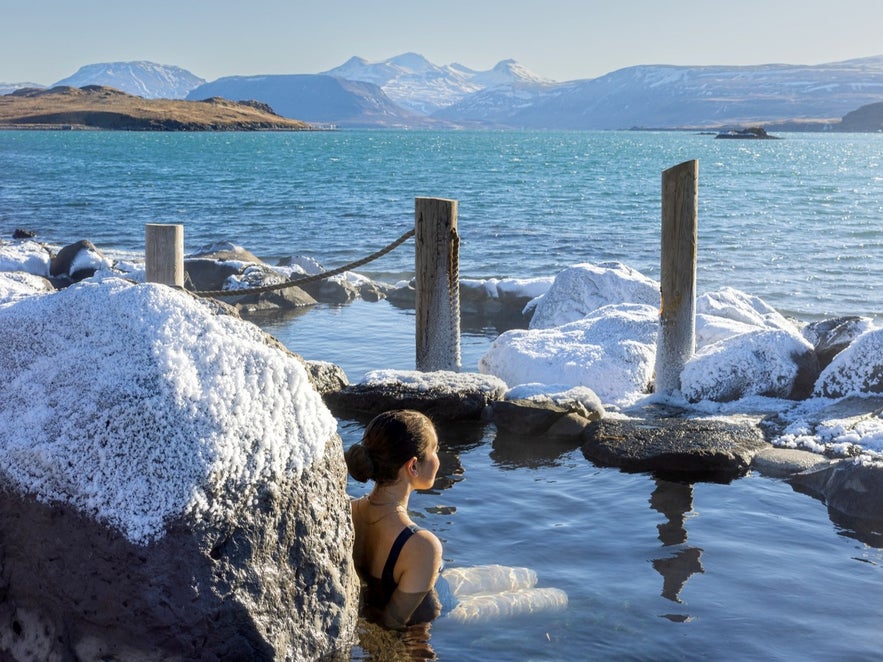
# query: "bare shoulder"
419, 563
425, 544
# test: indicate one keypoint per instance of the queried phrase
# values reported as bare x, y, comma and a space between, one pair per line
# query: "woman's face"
427, 468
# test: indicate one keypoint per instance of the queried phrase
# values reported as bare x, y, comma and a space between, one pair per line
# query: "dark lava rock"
70, 264
832, 336
275, 585
681, 448
441, 395
21, 233
552, 416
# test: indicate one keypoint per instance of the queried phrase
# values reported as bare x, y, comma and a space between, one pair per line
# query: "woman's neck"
396, 494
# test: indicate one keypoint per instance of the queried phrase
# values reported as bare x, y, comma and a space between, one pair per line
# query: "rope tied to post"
309, 279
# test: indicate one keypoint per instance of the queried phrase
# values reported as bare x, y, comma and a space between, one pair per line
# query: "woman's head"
391, 439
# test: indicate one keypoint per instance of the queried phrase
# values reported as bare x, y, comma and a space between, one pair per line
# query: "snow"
136, 404
439, 381
28, 256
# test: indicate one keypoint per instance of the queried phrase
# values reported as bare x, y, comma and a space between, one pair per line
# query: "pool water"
654, 570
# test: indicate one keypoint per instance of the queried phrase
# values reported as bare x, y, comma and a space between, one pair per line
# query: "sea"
654, 570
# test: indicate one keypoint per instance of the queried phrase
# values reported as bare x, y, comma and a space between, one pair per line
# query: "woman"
398, 562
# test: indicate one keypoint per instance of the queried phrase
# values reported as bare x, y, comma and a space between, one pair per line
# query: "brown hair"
391, 439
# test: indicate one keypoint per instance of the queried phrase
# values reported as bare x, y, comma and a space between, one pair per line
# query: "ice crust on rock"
137, 404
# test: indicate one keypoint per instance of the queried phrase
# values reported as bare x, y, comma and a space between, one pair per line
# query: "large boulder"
15, 285
207, 268
28, 256
611, 351
831, 336
172, 486
258, 276
584, 288
772, 363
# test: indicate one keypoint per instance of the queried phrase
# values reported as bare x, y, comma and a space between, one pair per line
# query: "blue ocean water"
654, 570
794, 221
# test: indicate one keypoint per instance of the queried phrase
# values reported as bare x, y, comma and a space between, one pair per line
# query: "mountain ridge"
408, 91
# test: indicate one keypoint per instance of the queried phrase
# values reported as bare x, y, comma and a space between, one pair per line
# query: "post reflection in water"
675, 501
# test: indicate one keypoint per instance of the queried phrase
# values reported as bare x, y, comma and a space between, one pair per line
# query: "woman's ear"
412, 466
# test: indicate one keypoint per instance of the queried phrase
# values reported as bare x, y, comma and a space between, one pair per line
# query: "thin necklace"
398, 509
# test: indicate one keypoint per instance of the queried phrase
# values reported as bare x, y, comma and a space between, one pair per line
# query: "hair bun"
359, 463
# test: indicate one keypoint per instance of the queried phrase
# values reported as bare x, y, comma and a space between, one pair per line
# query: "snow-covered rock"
15, 285
611, 351
173, 485
729, 312
28, 256
772, 363
584, 288
857, 369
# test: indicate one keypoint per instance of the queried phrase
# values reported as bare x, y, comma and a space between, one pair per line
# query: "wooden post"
164, 254
677, 314
438, 284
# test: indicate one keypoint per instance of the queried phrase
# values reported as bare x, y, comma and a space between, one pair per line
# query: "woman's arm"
421, 559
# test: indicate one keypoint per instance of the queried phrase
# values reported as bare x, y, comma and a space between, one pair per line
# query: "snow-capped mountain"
143, 79
416, 84
9, 88
318, 99
662, 96
408, 91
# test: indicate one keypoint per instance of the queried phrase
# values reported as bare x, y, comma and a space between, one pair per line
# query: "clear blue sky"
42, 41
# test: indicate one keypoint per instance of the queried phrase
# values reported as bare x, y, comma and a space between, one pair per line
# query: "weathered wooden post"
438, 284
677, 314
164, 254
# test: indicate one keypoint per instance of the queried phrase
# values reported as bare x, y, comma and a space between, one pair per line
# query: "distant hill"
320, 99
143, 79
99, 107
864, 119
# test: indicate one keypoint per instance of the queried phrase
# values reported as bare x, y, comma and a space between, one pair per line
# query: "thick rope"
454, 291
308, 279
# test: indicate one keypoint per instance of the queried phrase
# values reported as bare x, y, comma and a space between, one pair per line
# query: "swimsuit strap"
387, 576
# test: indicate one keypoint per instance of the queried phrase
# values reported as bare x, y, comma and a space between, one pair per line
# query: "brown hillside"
99, 107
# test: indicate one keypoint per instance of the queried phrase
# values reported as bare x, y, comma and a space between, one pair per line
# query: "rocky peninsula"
101, 107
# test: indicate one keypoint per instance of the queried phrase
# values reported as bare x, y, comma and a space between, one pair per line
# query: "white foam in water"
486, 592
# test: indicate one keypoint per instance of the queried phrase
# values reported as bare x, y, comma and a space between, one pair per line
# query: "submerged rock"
853, 491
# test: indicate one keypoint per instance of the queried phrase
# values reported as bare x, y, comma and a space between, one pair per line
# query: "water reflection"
514, 451
675, 501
